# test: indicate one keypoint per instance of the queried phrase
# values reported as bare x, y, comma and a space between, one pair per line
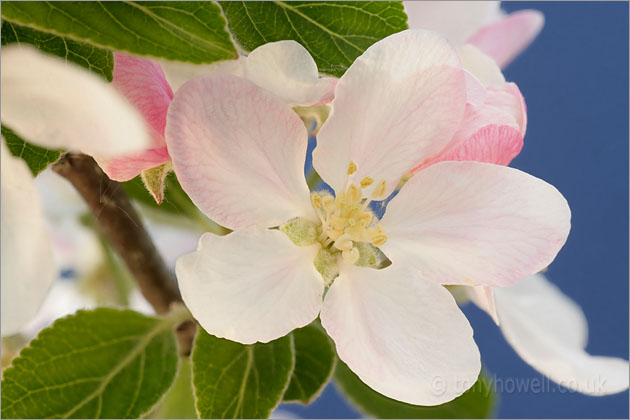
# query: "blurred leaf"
185, 31
315, 359
335, 33
104, 363
233, 380
476, 403
179, 402
37, 158
96, 60
175, 203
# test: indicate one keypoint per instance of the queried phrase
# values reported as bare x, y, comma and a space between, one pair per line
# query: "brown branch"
121, 225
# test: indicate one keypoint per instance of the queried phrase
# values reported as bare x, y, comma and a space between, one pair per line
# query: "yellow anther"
366, 182
316, 200
375, 230
378, 240
380, 189
365, 218
337, 222
352, 167
351, 256
343, 243
354, 194
328, 202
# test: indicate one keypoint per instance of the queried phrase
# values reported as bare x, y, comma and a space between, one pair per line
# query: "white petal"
28, 269
238, 152
59, 105
456, 20
286, 69
251, 285
398, 104
402, 335
475, 223
548, 330
480, 65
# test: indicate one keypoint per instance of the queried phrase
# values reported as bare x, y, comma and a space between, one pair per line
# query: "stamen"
378, 240
344, 243
354, 194
351, 255
352, 167
347, 224
316, 200
366, 182
328, 202
379, 191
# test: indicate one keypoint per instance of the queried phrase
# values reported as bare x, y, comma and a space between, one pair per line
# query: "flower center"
346, 219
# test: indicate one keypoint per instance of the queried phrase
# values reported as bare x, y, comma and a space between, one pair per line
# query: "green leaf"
233, 380
37, 158
104, 363
185, 31
315, 359
179, 402
476, 403
96, 60
335, 33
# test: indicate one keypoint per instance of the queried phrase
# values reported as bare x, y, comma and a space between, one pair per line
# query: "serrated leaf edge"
163, 325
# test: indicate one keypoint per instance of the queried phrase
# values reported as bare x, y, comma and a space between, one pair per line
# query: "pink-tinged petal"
483, 297
549, 331
475, 224
250, 285
475, 91
392, 109
456, 20
508, 37
143, 83
238, 151
403, 335
28, 269
497, 144
59, 105
492, 132
124, 168
286, 69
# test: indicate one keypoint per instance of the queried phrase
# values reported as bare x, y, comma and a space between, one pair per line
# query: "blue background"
575, 80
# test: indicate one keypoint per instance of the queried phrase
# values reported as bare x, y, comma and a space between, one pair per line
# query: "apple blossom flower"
480, 23
284, 68
53, 104
549, 331
377, 285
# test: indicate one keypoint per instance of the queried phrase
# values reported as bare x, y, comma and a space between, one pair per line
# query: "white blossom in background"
480, 23
53, 104
549, 331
